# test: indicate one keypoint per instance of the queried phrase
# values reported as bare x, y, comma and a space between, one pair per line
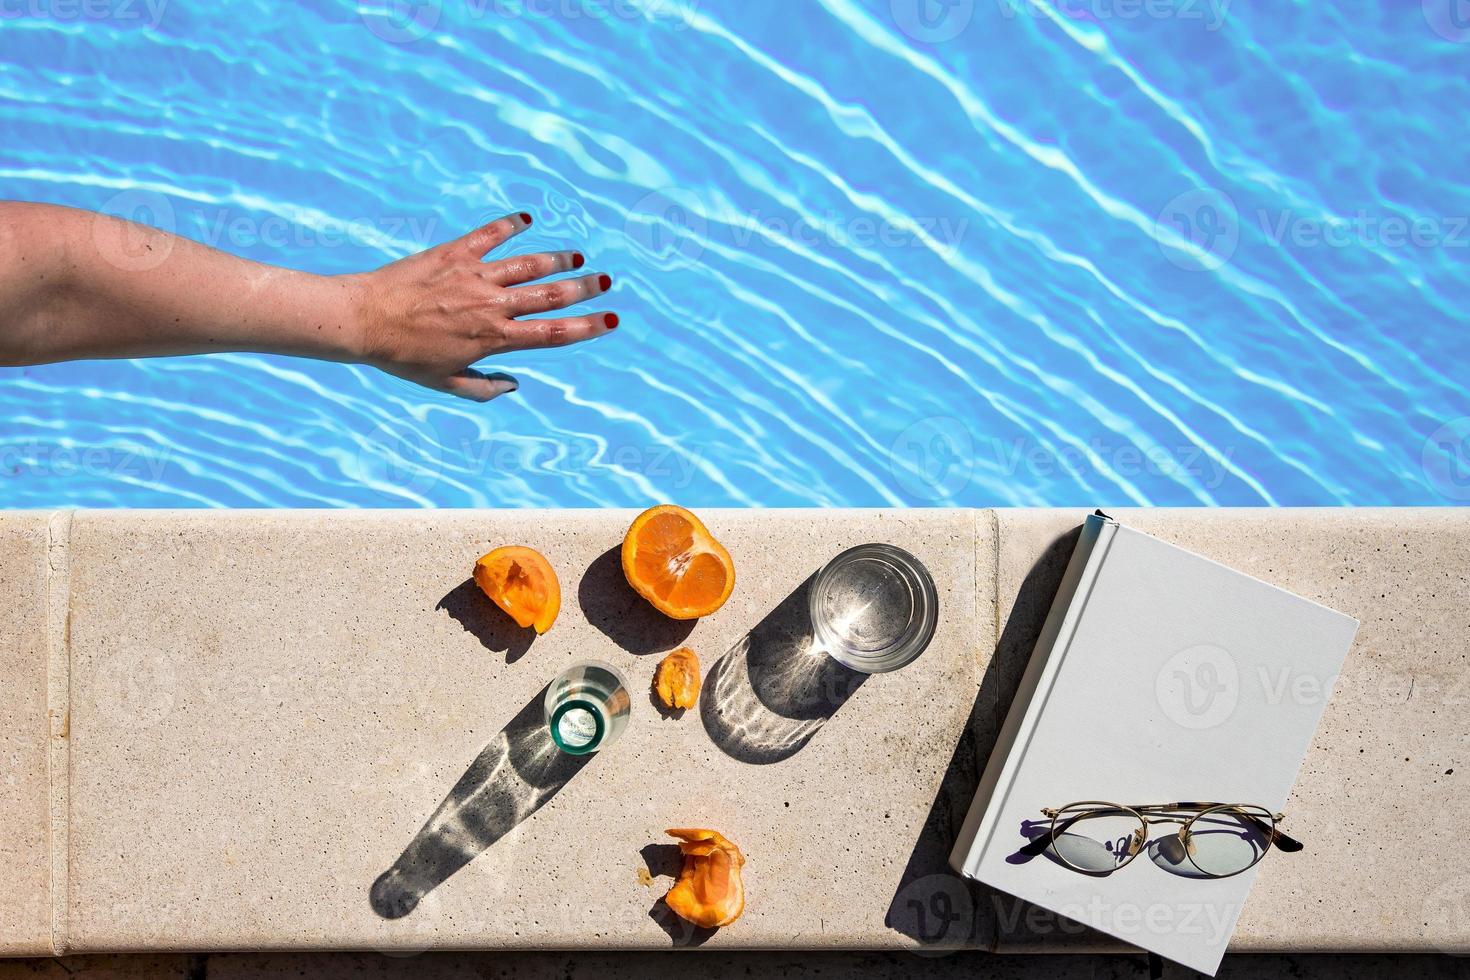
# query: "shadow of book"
512, 777
771, 692
932, 905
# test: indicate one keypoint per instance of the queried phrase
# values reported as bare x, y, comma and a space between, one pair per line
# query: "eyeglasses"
1217, 839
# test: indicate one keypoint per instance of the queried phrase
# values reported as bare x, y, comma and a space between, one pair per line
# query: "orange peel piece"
676, 681
670, 558
709, 891
522, 583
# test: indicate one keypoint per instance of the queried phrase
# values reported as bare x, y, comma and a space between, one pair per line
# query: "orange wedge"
522, 582
671, 559
676, 681
709, 891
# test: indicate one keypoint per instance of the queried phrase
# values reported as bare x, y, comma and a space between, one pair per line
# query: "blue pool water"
893, 252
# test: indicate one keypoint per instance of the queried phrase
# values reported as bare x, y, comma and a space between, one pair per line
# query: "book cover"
1159, 676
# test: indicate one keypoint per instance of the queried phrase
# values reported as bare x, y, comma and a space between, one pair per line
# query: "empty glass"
873, 608
587, 707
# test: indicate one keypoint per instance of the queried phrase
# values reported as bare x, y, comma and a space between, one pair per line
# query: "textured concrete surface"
25, 793
280, 730
268, 707
713, 965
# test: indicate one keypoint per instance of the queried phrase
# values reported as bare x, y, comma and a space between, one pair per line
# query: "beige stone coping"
222, 729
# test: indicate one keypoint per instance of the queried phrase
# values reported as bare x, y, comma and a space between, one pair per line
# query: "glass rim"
926, 610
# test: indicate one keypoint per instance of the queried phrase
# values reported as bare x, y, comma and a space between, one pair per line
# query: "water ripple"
857, 266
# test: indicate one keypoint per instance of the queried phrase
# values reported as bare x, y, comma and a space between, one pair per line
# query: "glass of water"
873, 608
587, 707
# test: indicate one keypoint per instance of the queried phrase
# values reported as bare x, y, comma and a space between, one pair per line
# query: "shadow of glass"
932, 905
624, 616
486, 621
512, 777
770, 693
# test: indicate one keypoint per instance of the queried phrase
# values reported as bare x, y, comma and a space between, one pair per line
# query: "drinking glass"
873, 608
587, 707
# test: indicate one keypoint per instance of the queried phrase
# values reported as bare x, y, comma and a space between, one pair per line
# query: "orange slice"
676, 681
709, 891
521, 582
671, 559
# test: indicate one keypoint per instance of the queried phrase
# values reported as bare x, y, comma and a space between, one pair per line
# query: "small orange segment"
522, 582
676, 681
709, 891
671, 559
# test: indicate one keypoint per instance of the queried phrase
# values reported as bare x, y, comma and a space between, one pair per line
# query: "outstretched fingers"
528, 268
543, 297
559, 331
489, 236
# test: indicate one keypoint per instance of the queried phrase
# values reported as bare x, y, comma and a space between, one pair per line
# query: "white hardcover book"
1159, 676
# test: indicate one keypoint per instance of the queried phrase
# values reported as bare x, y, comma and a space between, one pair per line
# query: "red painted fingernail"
611, 321
525, 217
578, 260
605, 282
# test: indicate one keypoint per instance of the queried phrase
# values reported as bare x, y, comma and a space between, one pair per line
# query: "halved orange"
671, 559
522, 582
709, 891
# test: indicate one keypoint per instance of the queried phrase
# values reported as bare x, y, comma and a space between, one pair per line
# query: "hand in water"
71, 286
428, 317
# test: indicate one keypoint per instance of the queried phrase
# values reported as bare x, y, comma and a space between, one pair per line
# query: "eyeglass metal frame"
1148, 814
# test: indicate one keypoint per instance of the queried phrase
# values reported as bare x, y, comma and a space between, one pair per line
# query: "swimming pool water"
895, 252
